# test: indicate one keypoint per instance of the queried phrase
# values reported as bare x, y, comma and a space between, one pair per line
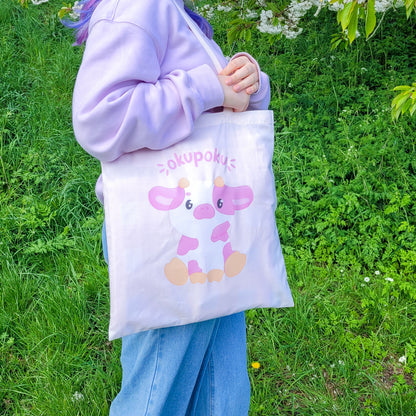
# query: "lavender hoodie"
144, 80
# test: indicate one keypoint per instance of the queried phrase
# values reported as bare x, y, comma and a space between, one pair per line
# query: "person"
143, 82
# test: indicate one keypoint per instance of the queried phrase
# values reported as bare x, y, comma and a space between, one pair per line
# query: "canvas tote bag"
191, 229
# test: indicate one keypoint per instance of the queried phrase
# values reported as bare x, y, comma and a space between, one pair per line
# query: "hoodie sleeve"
123, 103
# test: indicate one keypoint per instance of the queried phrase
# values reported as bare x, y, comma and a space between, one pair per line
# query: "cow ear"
242, 197
219, 182
165, 199
183, 183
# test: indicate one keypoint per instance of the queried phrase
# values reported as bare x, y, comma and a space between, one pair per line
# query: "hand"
242, 75
238, 101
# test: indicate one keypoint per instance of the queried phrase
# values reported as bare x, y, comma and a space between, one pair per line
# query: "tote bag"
191, 229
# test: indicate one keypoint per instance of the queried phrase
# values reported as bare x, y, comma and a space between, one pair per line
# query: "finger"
252, 89
247, 82
234, 65
230, 68
247, 72
243, 72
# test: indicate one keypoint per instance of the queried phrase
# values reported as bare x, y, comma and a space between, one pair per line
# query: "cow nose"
204, 211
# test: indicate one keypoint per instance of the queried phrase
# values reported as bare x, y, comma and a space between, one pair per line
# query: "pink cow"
201, 214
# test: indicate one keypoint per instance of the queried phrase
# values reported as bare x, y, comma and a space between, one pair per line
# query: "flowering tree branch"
279, 18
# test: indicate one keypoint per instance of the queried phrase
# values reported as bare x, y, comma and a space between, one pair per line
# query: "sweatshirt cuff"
208, 87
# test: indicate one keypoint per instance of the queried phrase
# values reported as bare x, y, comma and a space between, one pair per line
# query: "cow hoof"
215, 275
235, 263
176, 272
198, 277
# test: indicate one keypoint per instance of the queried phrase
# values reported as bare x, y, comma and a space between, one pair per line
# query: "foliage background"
345, 179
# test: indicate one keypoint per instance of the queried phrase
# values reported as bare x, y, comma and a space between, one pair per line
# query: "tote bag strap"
200, 36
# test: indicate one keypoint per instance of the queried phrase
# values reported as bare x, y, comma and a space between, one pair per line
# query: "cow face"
196, 209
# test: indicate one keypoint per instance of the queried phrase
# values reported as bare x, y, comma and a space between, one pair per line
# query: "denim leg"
161, 368
225, 385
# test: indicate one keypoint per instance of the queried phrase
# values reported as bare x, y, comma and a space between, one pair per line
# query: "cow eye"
188, 204
220, 203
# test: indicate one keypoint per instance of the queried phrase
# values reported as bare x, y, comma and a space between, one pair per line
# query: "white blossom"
268, 14
291, 34
266, 23
383, 5
77, 397
75, 11
335, 7
207, 11
221, 8
251, 14
287, 21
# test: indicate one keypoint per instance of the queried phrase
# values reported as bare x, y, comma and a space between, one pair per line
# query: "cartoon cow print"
202, 212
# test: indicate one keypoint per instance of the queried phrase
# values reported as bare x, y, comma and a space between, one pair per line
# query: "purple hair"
201, 22
87, 7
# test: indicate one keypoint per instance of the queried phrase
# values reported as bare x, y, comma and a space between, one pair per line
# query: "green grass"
345, 177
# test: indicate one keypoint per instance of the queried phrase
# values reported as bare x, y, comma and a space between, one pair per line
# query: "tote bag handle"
200, 36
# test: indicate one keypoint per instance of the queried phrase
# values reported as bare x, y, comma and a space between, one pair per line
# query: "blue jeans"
191, 370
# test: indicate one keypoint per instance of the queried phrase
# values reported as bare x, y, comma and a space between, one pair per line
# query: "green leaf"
395, 113
233, 33
401, 88
370, 19
248, 35
400, 99
403, 102
410, 4
273, 7
344, 15
352, 27
335, 43
406, 106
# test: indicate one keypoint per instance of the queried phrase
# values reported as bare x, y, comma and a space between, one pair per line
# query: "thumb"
229, 69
